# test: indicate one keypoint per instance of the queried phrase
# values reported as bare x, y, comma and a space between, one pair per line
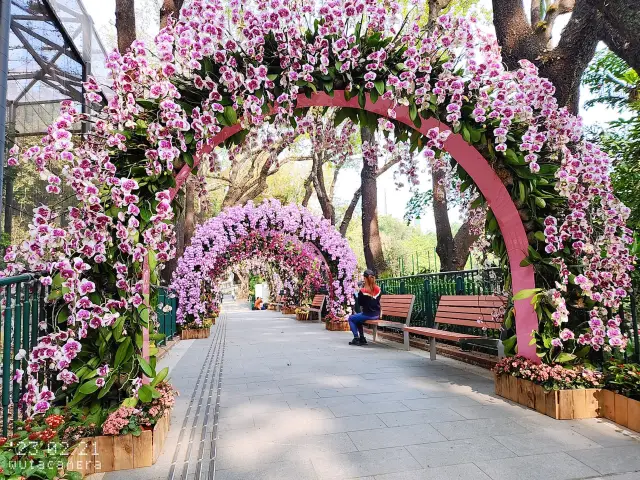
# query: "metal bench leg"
432, 348
375, 333
500, 349
406, 340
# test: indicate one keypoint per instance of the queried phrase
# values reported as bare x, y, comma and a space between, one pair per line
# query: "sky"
391, 201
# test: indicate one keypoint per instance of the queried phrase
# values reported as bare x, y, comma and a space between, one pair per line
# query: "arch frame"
476, 166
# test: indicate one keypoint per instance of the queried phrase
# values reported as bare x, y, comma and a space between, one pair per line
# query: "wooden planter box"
108, 453
623, 410
271, 307
338, 326
288, 311
213, 320
195, 333
558, 404
302, 316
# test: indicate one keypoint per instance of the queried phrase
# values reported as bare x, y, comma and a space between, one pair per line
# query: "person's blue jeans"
356, 322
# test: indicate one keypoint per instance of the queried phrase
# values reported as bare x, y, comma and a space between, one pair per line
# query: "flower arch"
224, 66
272, 227
300, 269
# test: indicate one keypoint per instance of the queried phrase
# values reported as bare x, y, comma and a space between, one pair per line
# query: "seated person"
369, 301
258, 304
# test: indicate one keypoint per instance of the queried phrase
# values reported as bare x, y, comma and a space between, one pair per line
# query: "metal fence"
166, 305
428, 288
25, 317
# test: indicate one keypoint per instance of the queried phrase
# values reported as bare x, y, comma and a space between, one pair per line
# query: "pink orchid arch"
287, 263
234, 234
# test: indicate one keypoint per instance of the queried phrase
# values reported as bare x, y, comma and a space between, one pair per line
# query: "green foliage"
623, 379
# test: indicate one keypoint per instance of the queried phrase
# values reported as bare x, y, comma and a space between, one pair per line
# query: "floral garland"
251, 230
231, 64
272, 255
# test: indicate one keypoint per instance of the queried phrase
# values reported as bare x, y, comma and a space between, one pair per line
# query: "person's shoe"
363, 341
355, 341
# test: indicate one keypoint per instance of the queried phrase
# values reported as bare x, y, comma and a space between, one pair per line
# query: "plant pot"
109, 453
302, 316
623, 410
338, 326
558, 404
194, 333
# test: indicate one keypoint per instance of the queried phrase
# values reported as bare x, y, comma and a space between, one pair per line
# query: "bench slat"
435, 333
469, 323
396, 310
466, 315
475, 297
471, 303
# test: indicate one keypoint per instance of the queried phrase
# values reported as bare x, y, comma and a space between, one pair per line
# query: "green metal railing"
428, 288
166, 306
23, 312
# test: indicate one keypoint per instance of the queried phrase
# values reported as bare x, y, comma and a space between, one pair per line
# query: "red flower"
3, 440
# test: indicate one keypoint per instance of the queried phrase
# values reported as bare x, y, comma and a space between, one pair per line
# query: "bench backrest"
470, 310
399, 306
318, 301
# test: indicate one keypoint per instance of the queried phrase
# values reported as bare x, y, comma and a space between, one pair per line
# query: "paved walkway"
269, 398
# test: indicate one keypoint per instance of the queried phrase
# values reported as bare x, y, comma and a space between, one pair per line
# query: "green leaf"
231, 115
512, 158
63, 315
145, 393
539, 235
379, 86
373, 95
413, 111
107, 386
565, 357
525, 262
540, 203
124, 352
162, 374
526, 293
188, 159
73, 476
466, 134
146, 368
362, 100
89, 387
130, 402
341, 115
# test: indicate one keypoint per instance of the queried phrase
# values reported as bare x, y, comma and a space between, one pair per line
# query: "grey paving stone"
546, 441
556, 466
395, 437
271, 471
458, 452
419, 416
478, 428
360, 464
439, 402
347, 409
454, 472
610, 460
391, 396
493, 411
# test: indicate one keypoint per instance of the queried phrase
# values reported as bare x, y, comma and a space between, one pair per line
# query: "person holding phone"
369, 301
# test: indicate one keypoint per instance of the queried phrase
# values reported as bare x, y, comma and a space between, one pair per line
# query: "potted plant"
559, 392
336, 323
621, 398
132, 436
301, 314
196, 329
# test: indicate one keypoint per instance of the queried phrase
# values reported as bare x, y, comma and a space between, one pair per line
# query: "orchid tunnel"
222, 69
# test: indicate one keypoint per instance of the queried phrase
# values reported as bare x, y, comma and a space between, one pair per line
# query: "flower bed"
109, 453
553, 390
338, 326
195, 333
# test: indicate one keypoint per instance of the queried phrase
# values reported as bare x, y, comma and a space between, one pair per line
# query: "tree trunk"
461, 245
125, 24
348, 214
308, 189
372, 244
321, 191
444, 237
169, 7
189, 212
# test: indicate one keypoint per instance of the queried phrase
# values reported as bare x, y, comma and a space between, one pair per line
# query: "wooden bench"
397, 306
316, 305
465, 310
279, 302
